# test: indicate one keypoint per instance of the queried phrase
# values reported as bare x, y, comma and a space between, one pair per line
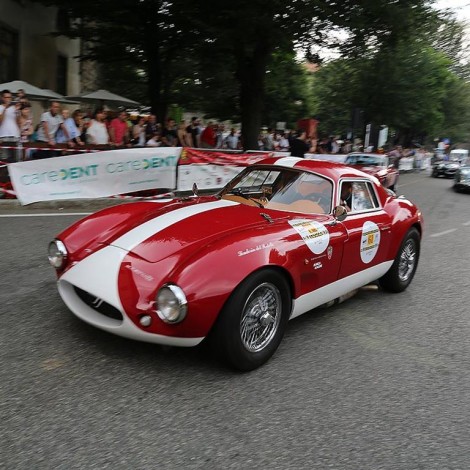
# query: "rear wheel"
403, 269
252, 323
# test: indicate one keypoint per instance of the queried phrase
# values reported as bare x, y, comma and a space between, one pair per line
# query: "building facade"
30, 53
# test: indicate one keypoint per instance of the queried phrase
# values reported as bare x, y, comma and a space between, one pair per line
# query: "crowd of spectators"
120, 130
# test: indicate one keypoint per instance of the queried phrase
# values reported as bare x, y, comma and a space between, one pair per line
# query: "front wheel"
401, 273
252, 323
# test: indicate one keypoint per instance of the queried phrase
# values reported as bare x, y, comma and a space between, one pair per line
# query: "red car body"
377, 165
117, 260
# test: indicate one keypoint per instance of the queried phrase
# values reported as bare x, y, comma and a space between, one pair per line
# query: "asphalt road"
379, 382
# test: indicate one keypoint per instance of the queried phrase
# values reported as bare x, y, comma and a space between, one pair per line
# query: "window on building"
62, 66
9, 45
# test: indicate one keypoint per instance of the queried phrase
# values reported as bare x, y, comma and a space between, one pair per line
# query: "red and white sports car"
234, 267
376, 165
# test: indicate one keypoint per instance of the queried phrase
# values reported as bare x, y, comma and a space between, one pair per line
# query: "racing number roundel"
314, 234
370, 241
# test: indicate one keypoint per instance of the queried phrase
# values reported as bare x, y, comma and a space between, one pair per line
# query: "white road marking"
445, 232
466, 224
45, 214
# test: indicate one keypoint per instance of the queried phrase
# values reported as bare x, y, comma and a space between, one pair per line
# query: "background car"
234, 267
446, 168
376, 165
462, 179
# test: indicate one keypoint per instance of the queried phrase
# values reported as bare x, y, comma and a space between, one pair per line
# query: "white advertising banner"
205, 176
94, 175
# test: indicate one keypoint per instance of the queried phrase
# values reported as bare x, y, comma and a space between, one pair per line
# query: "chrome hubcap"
261, 316
407, 261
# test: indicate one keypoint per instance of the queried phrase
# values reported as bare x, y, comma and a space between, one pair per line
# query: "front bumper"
90, 291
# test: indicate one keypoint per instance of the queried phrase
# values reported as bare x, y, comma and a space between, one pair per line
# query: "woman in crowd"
138, 133
26, 122
97, 132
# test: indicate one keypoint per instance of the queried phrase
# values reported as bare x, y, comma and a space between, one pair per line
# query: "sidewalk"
76, 205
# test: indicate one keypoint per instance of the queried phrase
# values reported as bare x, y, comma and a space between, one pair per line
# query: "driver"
346, 195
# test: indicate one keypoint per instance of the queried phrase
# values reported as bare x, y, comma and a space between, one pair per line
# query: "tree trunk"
155, 75
251, 71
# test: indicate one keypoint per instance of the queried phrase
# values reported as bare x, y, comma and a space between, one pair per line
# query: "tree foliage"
237, 59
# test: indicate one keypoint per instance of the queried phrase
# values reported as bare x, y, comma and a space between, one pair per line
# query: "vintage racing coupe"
234, 267
376, 165
462, 179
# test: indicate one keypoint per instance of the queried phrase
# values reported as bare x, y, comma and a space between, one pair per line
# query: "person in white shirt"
9, 122
155, 140
97, 132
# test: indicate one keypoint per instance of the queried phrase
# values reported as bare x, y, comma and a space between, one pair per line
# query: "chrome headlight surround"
57, 254
171, 303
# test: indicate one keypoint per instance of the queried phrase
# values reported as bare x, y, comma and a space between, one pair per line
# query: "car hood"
156, 230
370, 170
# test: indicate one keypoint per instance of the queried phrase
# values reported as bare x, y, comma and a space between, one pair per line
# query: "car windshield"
281, 189
366, 160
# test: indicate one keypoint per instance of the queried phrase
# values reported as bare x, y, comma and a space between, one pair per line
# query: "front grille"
98, 304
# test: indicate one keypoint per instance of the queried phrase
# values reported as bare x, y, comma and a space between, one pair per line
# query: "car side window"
358, 196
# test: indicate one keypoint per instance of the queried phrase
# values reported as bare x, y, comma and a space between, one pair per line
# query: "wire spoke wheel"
403, 269
407, 260
261, 317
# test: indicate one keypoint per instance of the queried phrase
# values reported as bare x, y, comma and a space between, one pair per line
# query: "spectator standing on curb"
284, 143
170, 134
51, 122
26, 123
219, 134
231, 141
193, 132
119, 130
155, 140
138, 133
9, 123
152, 127
208, 136
299, 146
97, 132
71, 126
395, 156
183, 139
268, 141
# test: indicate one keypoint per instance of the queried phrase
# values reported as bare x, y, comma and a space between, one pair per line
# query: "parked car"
376, 165
462, 179
234, 267
446, 168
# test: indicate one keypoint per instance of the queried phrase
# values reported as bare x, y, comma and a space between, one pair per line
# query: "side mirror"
340, 213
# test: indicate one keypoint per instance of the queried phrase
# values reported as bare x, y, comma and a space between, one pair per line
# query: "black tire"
260, 306
434, 174
403, 269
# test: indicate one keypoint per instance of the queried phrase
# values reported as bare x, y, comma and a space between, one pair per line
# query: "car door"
368, 229
318, 255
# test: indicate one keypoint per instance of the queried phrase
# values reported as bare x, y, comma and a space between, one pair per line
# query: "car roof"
329, 169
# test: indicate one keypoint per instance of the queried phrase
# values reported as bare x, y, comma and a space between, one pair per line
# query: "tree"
164, 38
409, 88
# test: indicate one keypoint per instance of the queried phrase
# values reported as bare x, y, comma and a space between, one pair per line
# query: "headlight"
172, 305
57, 254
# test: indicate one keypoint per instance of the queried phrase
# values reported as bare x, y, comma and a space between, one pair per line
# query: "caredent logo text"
79, 172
